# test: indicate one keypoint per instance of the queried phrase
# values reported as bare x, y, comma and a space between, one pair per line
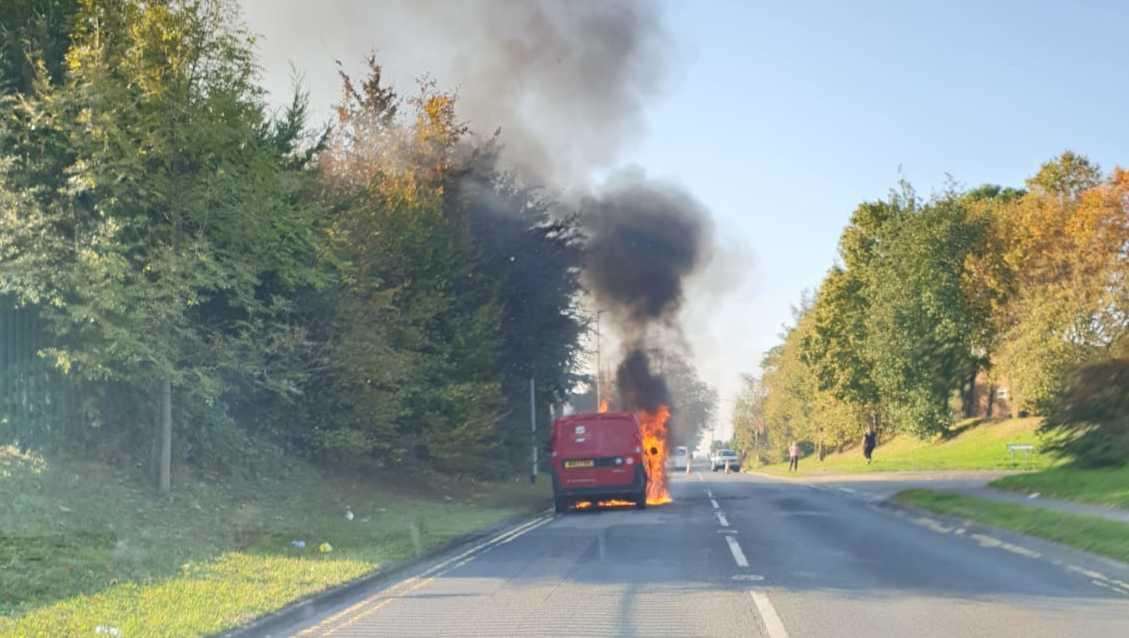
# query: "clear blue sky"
783, 118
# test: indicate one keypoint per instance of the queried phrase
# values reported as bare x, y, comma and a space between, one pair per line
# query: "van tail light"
630, 460
638, 450
619, 460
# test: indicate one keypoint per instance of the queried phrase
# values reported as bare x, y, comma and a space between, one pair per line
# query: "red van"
597, 457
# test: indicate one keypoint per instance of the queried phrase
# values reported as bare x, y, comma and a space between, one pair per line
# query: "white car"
680, 459
720, 459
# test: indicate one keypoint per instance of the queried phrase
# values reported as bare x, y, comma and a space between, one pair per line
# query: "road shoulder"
323, 603
962, 519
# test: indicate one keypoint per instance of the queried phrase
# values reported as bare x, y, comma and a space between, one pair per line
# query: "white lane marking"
772, 623
721, 518
932, 524
426, 577
990, 541
1087, 572
709, 492
726, 531
523, 532
847, 490
713, 502
753, 577
735, 549
1105, 585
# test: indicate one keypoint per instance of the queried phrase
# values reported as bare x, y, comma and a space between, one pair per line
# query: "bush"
1089, 419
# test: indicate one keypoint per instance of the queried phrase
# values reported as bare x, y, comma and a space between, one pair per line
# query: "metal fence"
32, 396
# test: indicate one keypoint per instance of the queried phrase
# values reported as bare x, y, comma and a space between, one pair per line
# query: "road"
736, 555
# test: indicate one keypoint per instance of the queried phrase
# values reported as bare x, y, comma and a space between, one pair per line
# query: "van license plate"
573, 464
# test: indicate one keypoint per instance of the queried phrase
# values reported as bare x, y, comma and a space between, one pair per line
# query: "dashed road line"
847, 490
713, 501
735, 549
721, 518
991, 541
773, 626
709, 492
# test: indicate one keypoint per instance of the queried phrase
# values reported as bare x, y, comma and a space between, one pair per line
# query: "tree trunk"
970, 395
165, 480
991, 399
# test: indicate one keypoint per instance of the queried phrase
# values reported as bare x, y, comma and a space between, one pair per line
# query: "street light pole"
599, 364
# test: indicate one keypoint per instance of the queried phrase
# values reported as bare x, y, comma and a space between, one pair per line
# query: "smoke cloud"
646, 238
566, 82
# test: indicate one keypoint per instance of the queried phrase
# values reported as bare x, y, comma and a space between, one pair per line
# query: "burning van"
598, 457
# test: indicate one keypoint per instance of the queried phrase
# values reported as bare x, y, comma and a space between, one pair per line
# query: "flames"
608, 504
603, 406
653, 427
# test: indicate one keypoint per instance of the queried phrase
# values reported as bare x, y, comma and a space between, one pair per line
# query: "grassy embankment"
1106, 486
84, 546
974, 445
1089, 533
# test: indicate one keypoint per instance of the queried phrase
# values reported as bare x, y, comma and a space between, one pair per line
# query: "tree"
1089, 416
923, 330
835, 347
694, 402
1065, 248
749, 426
144, 203
35, 35
527, 257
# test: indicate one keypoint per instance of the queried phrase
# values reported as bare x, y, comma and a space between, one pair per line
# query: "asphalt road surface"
737, 555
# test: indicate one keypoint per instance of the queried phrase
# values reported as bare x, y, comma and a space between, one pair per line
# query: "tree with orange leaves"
1066, 249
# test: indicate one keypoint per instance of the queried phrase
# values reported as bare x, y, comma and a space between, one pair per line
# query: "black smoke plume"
645, 238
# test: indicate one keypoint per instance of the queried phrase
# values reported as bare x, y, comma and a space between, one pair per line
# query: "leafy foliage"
1000, 286
379, 289
1089, 418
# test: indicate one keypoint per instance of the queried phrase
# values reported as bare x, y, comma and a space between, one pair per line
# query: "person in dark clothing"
869, 442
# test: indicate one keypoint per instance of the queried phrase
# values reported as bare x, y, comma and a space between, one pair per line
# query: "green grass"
1092, 534
975, 446
84, 544
1107, 486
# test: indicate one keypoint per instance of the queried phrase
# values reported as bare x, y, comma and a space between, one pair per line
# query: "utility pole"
533, 429
599, 364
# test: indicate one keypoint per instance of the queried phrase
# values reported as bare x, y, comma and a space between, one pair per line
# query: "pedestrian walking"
869, 442
794, 457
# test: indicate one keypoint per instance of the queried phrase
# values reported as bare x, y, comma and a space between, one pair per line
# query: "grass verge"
85, 545
1105, 486
977, 445
1100, 536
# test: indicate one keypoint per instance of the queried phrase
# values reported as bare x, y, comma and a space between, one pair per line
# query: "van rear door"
597, 452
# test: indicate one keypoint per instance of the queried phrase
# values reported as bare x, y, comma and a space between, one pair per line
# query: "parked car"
680, 459
598, 456
719, 459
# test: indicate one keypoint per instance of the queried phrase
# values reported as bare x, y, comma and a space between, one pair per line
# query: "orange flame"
653, 428
616, 502
603, 406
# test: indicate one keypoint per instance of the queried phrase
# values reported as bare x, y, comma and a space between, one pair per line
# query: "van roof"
596, 416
